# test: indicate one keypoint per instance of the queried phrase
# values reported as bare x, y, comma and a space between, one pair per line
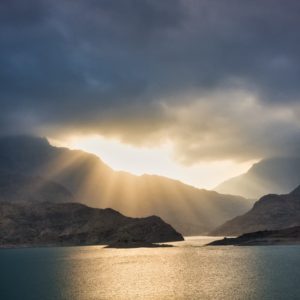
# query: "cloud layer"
218, 79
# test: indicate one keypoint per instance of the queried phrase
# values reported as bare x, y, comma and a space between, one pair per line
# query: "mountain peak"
273, 175
296, 191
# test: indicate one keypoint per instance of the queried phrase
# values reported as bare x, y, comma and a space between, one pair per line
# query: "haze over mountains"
188, 209
271, 212
18, 188
275, 175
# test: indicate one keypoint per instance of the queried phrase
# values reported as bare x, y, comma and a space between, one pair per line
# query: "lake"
188, 271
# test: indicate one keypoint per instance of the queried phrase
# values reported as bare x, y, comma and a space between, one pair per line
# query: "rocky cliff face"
188, 209
44, 224
269, 213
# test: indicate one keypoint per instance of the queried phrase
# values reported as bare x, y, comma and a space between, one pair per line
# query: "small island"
288, 236
136, 244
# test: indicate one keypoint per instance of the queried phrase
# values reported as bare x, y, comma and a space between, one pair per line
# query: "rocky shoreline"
289, 236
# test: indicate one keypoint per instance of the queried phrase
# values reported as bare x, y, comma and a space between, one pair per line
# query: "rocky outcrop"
289, 236
49, 224
271, 212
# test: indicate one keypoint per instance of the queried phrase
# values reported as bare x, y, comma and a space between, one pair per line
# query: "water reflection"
185, 272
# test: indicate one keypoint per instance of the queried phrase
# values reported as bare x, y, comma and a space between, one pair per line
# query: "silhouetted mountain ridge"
188, 209
56, 224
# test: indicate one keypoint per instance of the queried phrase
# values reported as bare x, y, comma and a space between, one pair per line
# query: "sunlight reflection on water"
184, 272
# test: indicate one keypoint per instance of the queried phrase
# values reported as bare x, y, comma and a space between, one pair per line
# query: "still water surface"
188, 271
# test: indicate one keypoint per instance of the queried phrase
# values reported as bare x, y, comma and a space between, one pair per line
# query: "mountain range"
91, 182
274, 175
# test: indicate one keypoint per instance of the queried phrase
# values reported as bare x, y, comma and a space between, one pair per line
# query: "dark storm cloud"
127, 68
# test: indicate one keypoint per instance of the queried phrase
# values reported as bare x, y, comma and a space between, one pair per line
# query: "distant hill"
55, 224
275, 175
188, 209
271, 212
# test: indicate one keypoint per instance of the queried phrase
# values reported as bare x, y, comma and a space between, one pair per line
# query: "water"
188, 271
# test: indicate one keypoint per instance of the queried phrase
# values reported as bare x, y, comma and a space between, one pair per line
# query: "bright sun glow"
157, 161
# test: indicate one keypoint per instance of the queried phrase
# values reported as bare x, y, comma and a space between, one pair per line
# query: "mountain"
16, 188
275, 175
271, 212
288, 236
189, 210
53, 224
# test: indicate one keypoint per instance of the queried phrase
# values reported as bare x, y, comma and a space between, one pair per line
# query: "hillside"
55, 224
188, 209
17, 188
271, 212
276, 175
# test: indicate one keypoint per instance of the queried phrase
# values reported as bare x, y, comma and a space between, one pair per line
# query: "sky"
202, 88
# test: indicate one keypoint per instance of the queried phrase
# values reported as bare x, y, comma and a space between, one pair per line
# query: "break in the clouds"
218, 79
